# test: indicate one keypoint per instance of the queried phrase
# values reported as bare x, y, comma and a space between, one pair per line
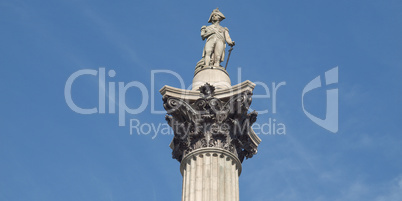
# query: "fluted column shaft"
210, 174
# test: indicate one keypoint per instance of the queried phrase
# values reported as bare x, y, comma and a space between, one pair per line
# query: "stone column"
212, 136
210, 174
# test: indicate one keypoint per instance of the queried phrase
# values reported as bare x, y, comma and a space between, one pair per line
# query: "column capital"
211, 118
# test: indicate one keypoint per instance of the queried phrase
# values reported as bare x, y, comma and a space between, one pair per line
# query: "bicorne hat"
216, 11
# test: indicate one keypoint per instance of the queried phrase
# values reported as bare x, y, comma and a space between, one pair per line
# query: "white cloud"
395, 191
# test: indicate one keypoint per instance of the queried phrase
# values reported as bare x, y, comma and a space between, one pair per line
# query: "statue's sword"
227, 61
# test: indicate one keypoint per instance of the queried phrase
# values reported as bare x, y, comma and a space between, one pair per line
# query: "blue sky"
50, 152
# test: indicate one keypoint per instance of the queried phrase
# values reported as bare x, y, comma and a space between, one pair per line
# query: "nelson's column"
211, 123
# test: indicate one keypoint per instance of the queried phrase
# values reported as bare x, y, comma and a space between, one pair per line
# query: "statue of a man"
217, 36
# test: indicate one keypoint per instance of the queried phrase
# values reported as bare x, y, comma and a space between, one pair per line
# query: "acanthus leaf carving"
211, 122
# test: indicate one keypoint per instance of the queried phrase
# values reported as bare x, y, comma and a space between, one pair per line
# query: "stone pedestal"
212, 137
216, 76
210, 174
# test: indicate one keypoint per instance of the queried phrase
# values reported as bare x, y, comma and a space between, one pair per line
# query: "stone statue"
217, 37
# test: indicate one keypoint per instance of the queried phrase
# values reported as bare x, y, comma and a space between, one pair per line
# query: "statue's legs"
209, 51
219, 48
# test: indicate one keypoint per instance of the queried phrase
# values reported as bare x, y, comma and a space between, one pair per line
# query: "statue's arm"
227, 37
205, 32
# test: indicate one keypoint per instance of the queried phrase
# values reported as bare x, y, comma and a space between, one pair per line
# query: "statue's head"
216, 15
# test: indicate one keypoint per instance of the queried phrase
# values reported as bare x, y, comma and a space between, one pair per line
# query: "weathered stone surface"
210, 174
211, 122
